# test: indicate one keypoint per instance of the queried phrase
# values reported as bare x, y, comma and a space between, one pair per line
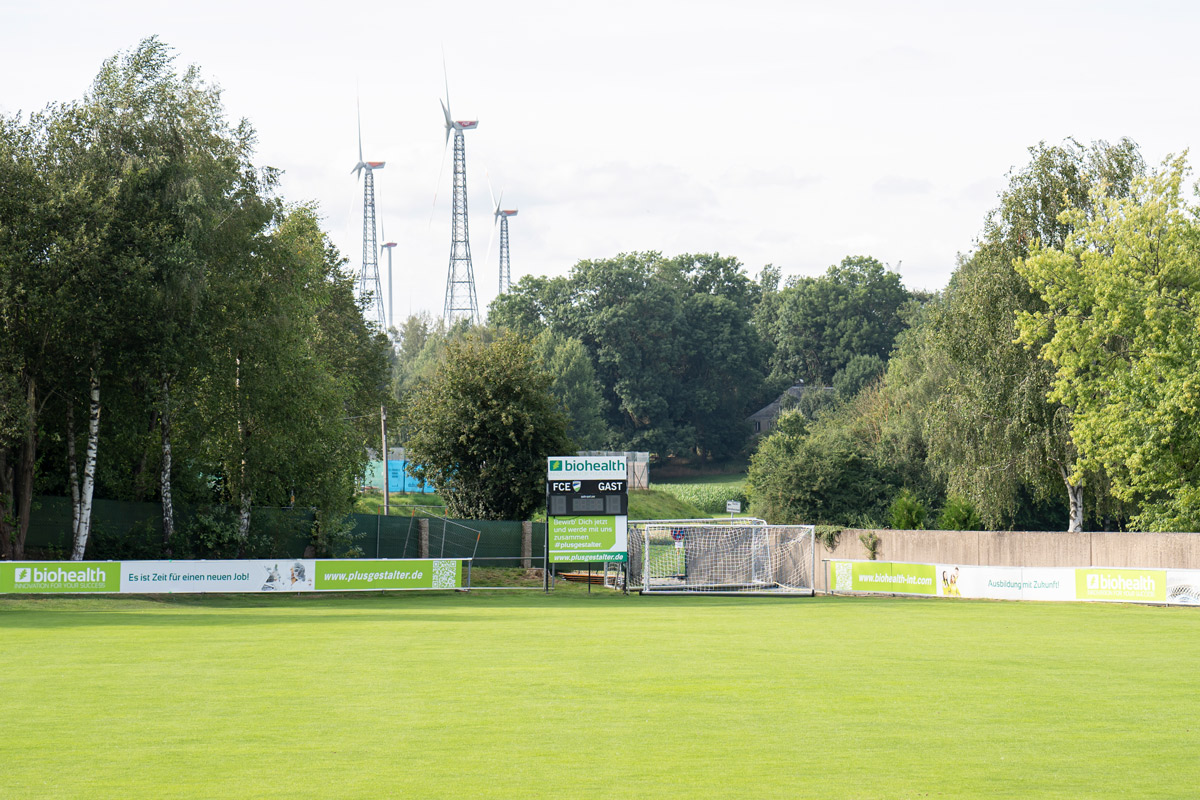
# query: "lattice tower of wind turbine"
501, 215
390, 246
368, 279
461, 301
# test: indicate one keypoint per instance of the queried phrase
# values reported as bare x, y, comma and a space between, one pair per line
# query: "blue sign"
399, 479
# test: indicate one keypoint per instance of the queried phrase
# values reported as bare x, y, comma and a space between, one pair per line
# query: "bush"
907, 512
825, 475
959, 514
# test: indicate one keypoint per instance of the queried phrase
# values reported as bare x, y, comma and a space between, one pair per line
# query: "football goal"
739, 556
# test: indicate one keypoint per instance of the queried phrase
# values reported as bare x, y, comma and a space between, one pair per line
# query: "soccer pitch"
516, 694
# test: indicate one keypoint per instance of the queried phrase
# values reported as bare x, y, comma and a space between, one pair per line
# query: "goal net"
742, 556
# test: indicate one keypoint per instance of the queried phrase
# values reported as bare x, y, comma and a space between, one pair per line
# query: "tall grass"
708, 497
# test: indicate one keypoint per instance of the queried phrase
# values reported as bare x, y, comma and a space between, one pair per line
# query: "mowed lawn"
513, 694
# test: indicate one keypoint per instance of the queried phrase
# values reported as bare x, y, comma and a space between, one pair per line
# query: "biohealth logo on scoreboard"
585, 468
62, 576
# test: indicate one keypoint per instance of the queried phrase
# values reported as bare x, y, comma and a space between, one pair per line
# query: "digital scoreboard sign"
587, 508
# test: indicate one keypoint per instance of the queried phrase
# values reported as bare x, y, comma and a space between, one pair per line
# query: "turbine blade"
446, 114
446, 76
441, 171
491, 194
358, 105
487, 259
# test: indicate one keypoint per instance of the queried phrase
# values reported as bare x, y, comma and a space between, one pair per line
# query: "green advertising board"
586, 539
60, 576
362, 574
882, 576
1129, 585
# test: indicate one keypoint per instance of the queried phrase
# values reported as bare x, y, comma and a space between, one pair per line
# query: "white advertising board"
282, 575
1061, 584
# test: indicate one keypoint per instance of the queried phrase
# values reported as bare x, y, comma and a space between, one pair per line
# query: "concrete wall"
1020, 549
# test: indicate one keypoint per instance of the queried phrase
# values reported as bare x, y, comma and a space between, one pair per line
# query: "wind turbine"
501, 215
461, 301
390, 246
368, 278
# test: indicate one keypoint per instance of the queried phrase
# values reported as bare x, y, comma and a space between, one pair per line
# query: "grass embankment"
522, 695
708, 493
660, 504
371, 501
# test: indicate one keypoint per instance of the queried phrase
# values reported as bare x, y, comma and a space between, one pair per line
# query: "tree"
845, 466
859, 372
1118, 327
993, 435
189, 196
822, 323
292, 393
823, 474
482, 427
26, 310
574, 387
143, 255
672, 341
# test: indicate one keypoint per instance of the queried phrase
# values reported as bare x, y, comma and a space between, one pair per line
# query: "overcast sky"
791, 133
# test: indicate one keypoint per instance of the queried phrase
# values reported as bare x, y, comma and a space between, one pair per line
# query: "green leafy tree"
822, 323
296, 379
846, 466
993, 434
823, 474
857, 374
574, 387
482, 427
672, 340
1118, 327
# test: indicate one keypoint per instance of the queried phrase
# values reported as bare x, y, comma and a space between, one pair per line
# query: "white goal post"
713, 556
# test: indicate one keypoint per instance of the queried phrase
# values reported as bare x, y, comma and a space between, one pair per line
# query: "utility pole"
383, 428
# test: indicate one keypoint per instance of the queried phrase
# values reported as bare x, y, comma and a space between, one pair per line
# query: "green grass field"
515, 694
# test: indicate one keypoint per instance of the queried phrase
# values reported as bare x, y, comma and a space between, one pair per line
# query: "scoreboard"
587, 508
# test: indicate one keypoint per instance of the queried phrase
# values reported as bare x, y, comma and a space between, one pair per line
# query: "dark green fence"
492, 543
126, 530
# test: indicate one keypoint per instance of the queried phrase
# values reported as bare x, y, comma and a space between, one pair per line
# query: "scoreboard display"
573, 498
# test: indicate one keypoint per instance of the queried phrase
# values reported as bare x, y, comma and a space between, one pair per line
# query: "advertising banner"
882, 576
194, 577
35, 577
1087, 584
588, 539
1006, 583
1183, 587
1123, 585
375, 574
171, 577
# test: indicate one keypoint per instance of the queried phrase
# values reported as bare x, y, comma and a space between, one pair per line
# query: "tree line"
170, 328
1051, 385
636, 352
